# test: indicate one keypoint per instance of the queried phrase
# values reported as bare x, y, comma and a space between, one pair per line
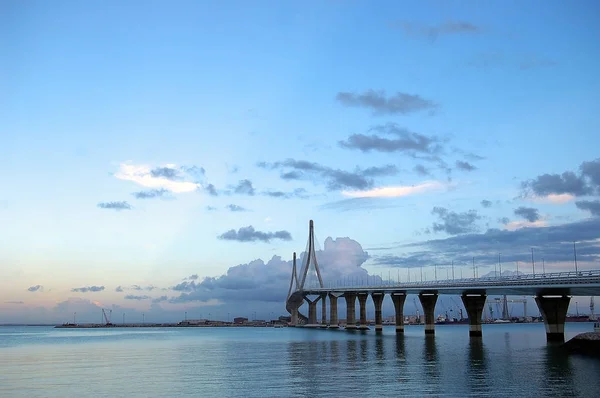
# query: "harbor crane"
107, 317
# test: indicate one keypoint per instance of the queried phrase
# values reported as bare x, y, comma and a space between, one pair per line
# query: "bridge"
552, 293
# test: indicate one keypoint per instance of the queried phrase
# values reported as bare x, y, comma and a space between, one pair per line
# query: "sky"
166, 157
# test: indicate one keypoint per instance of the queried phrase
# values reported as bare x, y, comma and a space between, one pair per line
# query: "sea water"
511, 360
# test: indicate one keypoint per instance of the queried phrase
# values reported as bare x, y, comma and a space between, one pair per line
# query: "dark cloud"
35, 288
421, 170
486, 203
528, 213
119, 289
249, 234
150, 194
454, 223
298, 193
466, 166
210, 188
194, 170
244, 187
335, 179
593, 206
193, 277
138, 298
115, 205
435, 31
586, 182
403, 141
381, 104
86, 289
553, 243
235, 208
137, 288
166, 172
504, 220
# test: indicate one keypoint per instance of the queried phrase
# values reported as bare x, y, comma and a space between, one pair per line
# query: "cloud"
159, 299
35, 288
435, 31
593, 206
514, 225
552, 198
397, 191
193, 277
168, 177
138, 298
403, 141
454, 223
268, 281
380, 104
212, 191
137, 288
249, 234
298, 193
504, 220
244, 187
236, 208
14, 302
211, 208
554, 243
150, 194
528, 213
466, 166
361, 204
585, 182
335, 179
118, 206
119, 289
87, 289
486, 203
421, 170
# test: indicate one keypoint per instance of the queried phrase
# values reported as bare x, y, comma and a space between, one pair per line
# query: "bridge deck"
582, 283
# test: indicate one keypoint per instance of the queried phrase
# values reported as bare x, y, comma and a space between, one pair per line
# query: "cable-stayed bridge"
552, 292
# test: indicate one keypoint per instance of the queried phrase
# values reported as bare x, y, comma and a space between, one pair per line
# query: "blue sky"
388, 124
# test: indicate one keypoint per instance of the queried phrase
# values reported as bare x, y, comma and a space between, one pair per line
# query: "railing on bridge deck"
569, 277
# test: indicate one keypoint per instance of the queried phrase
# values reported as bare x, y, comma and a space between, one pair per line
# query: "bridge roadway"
552, 292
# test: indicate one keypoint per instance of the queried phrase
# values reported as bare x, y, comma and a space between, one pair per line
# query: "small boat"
597, 327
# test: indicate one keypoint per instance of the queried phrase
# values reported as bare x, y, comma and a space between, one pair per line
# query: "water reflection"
432, 370
559, 373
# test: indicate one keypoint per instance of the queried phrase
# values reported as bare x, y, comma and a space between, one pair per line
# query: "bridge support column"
474, 303
554, 310
350, 310
294, 316
378, 301
428, 302
324, 310
362, 300
333, 311
399, 300
312, 311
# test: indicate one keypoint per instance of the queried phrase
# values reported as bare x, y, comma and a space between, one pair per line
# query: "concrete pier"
378, 301
362, 300
312, 311
324, 310
350, 310
398, 300
428, 301
333, 311
474, 304
554, 310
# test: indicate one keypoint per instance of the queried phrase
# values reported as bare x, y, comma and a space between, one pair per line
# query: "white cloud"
514, 225
556, 199
141, 175
396, 191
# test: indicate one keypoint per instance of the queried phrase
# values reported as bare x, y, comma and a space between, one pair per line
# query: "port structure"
552, 293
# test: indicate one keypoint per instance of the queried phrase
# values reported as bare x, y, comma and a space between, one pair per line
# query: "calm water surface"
510, 361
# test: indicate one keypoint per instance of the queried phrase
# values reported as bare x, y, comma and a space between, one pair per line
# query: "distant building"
240, 320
